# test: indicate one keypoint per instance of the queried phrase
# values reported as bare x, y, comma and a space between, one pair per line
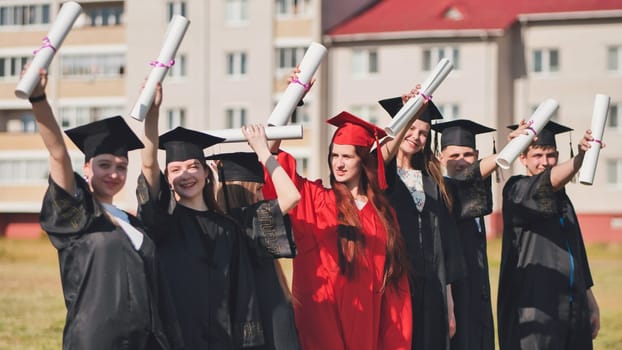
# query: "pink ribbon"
160, 64
44, 44
530, 123
600, 142
425, 97
307, 86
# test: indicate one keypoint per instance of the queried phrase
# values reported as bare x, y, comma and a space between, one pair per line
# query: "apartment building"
508, 58
230, 70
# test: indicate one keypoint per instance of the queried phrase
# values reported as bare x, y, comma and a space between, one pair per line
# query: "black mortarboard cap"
393, 105
460, 132
546, 137
182, 144
239, 166
105, 136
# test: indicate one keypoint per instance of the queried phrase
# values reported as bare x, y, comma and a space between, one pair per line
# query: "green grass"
32, 311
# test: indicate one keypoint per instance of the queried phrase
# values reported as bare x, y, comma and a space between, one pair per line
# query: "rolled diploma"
65, 18
287, 132
537, 121
289, 100
599, 120
406, 113
172, 39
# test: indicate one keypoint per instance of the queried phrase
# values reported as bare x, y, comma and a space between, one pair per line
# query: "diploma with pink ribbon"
65, 19
410, 108
536, 123
599, 120
295, 90
166, 59
286, 132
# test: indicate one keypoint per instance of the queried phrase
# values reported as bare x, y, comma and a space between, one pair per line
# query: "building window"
236, 117
301, 115
72, 116
614, 58
24, 15
545, 61
364, 62
366, 112
302, 165
176, 8
236, 11
176, 117
449, 111
24, 171
288, 58
431, 56
293, 7
11, 66
236, 64
178, 70
105, 16
93, 66
614, 171
613, 118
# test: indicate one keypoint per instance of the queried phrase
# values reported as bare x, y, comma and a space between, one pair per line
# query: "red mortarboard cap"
352, 130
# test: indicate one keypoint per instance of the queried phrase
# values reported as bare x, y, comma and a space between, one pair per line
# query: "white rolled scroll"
308, 66
65, 18
408, 111
287, 132
599, 120
172, 39
536, 123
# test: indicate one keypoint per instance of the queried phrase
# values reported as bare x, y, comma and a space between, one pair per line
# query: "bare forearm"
562, 173
488, 165
149, 154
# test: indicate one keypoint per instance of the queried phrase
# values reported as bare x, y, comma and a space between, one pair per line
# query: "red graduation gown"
332, 311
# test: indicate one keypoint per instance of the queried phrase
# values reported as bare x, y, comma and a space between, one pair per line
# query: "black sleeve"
452, 250
471, 194
531, 196
154, 211
267, 229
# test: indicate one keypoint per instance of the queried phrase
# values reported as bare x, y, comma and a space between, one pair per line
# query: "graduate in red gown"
350, 288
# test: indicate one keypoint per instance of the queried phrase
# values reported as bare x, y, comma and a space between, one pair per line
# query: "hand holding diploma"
67, 15
536, 122
410, 108
174, 35
298, 87
599, 120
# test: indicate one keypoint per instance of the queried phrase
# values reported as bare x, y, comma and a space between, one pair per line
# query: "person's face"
106, 174
457, 158
415, 138
538, 159
345, 164
187, 178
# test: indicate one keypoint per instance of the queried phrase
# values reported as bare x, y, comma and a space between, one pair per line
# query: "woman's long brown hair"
350, 239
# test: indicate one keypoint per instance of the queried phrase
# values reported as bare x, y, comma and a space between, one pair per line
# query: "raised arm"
391, 145
489, 164
286, 192
61, 170
562, 173
149, 154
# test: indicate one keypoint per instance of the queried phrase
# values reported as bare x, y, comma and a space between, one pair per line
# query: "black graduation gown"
269, 236
472, 199
207, 268
544, 274
110, 289
435, 257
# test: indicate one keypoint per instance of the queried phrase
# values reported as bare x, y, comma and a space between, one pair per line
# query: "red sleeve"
396, 318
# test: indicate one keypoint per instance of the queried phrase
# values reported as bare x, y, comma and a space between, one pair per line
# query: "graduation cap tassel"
435, 142
574, 177
498, 174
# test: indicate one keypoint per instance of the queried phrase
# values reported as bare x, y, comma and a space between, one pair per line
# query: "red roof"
416, 15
